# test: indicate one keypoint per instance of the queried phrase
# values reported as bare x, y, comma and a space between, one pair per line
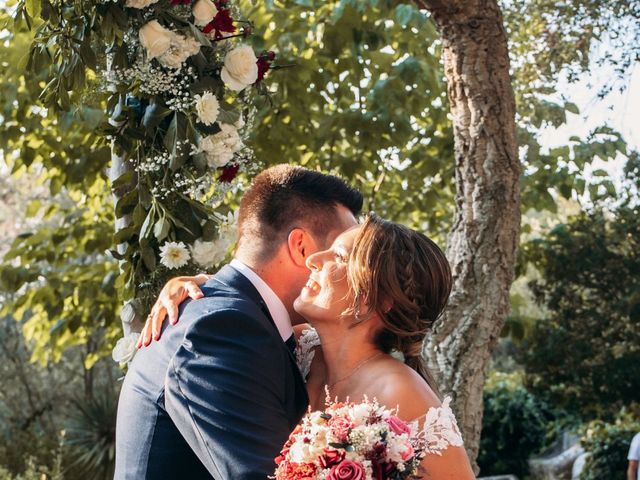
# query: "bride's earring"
358, 315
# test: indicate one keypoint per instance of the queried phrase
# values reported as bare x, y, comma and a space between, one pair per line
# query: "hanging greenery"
179, 82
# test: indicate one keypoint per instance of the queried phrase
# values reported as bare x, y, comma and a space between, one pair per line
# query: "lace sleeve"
305, 350
440, 429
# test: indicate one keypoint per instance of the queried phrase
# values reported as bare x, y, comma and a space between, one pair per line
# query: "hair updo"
405, 278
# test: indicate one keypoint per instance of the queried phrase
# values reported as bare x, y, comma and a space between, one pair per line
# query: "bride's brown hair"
405, 278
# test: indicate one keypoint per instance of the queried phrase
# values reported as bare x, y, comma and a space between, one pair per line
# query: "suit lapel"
231, 277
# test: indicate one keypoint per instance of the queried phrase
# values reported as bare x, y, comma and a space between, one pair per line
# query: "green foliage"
77, 302
514, 426
607, 445
35, 472
366, 97
565, 36
37, 403
90, 434
590, 286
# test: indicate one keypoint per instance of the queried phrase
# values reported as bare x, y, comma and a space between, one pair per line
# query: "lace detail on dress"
440, 429
305, 350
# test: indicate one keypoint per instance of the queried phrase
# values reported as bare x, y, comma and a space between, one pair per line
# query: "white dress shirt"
275, 306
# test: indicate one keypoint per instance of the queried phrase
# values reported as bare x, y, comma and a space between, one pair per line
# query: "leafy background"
367, 99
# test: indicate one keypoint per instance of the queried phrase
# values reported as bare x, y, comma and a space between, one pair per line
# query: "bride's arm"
453, 464
413, 400
175, 291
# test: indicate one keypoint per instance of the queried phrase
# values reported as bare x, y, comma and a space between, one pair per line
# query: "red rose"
347, 470
263, 67
381, 471
397, 426
228, 173
264, 64
331, 458
222, 22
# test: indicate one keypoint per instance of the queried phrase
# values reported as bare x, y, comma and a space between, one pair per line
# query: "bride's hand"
175, 291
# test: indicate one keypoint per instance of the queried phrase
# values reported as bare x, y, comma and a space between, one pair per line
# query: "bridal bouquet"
352, 441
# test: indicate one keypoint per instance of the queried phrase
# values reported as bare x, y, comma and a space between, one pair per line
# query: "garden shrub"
514, 426
608, 446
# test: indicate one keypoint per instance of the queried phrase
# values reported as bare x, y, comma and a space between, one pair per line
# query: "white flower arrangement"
180, 78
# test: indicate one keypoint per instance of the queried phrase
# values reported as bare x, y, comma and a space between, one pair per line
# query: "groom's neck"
280, 274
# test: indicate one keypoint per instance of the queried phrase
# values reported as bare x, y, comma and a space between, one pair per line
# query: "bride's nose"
314, 262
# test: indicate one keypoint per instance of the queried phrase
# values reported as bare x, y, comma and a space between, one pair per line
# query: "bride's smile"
326, 295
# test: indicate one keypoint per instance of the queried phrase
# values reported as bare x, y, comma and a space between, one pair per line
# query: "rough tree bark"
484, 237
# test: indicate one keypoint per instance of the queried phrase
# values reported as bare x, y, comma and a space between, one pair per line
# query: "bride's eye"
341, 256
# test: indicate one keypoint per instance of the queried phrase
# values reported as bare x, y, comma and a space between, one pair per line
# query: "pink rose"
397, 426
407, 453
346, 470
331, 458
340, 427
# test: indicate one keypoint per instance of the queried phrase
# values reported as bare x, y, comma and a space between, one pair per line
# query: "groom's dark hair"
284, 197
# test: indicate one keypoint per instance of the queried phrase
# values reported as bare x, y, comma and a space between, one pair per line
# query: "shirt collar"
275, 306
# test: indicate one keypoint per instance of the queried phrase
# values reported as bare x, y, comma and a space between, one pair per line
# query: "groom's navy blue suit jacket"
217, 396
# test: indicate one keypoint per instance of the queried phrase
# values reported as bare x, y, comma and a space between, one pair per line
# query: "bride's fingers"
145, 335
193, 290
157, 319
170, 309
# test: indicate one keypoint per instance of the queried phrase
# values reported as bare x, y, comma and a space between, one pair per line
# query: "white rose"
209, 254
301, 452
207, 107
140, 3
220, 148
125, 348
359, 413
240, 68
181, 48
155, 39
203, 12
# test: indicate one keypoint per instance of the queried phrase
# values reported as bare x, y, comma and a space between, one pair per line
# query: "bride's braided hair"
405, 278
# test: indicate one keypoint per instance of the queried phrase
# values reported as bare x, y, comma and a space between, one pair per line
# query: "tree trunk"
119, 166
484, 237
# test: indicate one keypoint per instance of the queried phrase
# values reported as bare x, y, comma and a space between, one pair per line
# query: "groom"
219, 395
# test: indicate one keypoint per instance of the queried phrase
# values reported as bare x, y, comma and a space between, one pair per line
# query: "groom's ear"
300, 245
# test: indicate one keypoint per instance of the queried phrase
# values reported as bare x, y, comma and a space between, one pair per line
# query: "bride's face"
327, 295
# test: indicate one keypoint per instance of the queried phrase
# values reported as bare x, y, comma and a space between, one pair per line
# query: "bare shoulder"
397, 385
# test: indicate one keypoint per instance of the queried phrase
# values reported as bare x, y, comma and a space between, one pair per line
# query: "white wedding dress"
440, 427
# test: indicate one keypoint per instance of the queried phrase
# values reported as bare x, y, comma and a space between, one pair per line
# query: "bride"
376, 291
